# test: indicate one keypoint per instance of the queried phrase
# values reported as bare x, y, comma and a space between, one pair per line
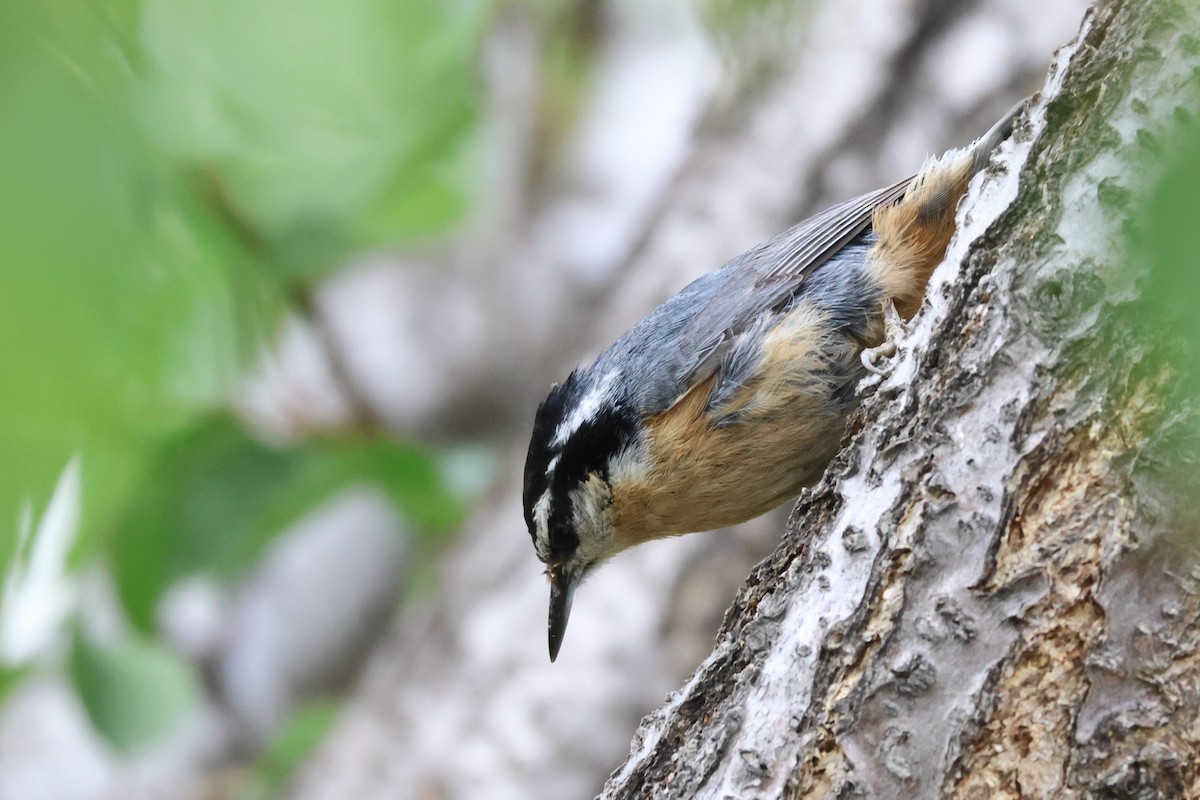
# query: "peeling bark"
981, 599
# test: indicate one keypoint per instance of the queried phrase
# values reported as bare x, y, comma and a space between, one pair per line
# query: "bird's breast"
711, 467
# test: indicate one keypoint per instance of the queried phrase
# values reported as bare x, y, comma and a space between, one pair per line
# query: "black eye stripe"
563, 542
592, 447
589, 449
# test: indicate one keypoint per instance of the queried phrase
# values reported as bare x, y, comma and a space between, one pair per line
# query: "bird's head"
584, 439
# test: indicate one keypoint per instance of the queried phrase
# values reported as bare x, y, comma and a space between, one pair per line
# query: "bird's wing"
767, 277
808, 245
683, 341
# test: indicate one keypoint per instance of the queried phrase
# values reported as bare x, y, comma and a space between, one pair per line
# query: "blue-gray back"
687, 338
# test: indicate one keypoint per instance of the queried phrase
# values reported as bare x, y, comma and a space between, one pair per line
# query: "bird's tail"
913, 233
981, 150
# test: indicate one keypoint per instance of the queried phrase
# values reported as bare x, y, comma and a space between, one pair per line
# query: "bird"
732, 396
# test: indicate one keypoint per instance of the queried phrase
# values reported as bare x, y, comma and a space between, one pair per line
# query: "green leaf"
135, 692
214, 497
302, 732
341, 118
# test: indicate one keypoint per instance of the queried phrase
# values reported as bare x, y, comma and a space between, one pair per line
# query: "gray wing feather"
768, 276
685, 340
812, 242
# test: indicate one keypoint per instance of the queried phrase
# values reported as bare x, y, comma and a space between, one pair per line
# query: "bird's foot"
894, 328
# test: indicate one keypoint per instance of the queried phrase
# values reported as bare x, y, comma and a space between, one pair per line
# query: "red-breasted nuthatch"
733, 395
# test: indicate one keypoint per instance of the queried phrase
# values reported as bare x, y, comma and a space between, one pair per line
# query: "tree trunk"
988, 594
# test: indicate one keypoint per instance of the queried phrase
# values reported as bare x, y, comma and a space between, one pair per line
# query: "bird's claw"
884, 351
894, 328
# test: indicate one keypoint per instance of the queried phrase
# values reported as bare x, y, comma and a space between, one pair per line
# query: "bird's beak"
562, 589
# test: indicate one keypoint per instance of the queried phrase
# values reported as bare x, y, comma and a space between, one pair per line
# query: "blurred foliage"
115, 301
222, 495
301, 733
1166, 236
320, 126
134, 692
173, 174
1169, 236
756, 38
569, 35
9, 677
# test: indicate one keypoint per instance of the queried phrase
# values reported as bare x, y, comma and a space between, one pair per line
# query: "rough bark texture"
981, 599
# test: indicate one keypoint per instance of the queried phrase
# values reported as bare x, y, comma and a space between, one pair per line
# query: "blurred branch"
362, 415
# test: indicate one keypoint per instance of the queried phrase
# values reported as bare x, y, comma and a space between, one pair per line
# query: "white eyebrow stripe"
592, 402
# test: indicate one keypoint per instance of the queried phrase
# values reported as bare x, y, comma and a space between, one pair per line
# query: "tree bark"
987, 595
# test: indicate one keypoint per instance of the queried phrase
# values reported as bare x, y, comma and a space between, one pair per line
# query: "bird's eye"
563, 541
